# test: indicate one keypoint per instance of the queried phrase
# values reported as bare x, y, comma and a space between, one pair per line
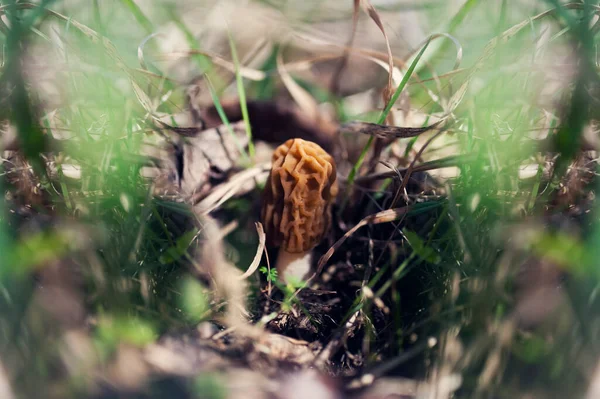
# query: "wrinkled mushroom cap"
296, 210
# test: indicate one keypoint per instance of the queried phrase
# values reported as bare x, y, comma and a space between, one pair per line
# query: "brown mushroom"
296, 209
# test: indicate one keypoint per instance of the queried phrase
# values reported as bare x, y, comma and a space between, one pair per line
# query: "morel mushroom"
296, 209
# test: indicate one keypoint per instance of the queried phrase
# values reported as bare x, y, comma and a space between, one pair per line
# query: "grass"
453, 271
384, 114
242, 96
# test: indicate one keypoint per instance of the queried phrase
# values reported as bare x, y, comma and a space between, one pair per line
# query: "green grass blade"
385, 113
204, 62
139, 15
460, 16
402, 84
225, 120
242, 95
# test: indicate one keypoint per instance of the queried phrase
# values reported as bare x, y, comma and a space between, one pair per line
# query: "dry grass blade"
370, 10
224, 275
459, 49
301, 96
454, 160
371, 55
301, 65
389, 215
182, 131
225, 191
143, 98
259, 251
382, 118
246, 72
387, 132
395, 73
335, 83
140, 50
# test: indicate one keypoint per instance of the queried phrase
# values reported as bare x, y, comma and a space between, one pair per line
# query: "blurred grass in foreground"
115, 230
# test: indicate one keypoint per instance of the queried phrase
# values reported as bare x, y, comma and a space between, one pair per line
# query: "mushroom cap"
296, 210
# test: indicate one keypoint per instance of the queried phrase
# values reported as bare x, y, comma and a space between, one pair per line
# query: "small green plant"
290, 289
210, 386
271, 274
194, 301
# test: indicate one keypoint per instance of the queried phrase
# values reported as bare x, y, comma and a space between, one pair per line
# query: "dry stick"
246, 72
157, 76
292, 66
397, 172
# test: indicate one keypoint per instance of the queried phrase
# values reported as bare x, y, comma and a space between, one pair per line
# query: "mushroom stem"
292, 266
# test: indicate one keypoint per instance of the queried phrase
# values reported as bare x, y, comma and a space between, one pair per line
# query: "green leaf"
128, 329
418, 245
210, 386
194, 301
563, 250
531, 349
36, 250
181, 246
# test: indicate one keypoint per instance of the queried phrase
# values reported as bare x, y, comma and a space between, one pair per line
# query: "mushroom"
296, 209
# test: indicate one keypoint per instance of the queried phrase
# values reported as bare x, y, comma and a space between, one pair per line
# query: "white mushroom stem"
293, 266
